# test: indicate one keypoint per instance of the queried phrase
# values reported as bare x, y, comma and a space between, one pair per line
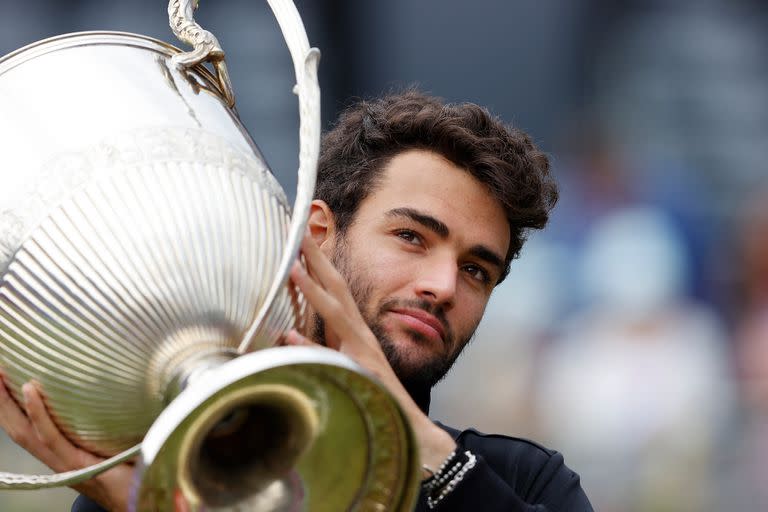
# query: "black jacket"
511, 475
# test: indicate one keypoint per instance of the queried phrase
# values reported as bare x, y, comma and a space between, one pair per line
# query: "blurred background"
632, 334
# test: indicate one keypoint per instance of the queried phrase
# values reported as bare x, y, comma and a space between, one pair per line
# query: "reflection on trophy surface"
144, 255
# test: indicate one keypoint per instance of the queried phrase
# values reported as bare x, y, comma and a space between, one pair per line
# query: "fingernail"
26, 390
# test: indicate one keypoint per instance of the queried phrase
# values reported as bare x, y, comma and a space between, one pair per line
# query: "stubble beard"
419, 376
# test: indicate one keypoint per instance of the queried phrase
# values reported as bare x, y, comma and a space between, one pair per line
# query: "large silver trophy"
144, 256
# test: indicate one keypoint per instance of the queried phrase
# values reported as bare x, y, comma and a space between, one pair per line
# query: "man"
419, 209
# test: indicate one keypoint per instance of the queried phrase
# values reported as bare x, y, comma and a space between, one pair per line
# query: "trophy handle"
206, 47
305, 61
307, 88
25, 482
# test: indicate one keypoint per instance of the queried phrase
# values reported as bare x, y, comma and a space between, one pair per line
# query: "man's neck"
422, 397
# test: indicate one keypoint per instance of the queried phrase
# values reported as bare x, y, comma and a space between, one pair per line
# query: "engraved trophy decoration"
144, 258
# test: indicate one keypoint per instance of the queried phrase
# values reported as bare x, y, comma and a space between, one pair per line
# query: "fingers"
321, 269
337, 308
345, 328
19, 427
329, 295
35, 431
12, 417
180, 501
36, 411
46, 430
321, 301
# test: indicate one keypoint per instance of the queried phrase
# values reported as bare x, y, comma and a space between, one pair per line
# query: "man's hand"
33, 429
346, 331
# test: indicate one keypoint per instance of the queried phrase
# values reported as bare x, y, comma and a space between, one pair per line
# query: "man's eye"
477, 272
408, 235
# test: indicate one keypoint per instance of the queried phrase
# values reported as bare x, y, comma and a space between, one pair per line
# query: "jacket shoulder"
532, 469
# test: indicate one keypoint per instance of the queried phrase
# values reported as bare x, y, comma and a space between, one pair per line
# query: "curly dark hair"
369, 134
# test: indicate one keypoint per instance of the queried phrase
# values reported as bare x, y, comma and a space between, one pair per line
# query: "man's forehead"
422, 173
427, 183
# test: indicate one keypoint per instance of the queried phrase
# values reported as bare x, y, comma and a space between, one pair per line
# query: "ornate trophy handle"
206, 47
25, 482
307, 88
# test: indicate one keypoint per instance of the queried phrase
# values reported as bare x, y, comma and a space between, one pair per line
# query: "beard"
417, 375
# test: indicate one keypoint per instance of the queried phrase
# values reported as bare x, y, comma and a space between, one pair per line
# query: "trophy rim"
92, 38
392, 442
238, 369
86, 38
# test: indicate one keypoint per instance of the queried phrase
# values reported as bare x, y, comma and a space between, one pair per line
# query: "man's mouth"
422, 322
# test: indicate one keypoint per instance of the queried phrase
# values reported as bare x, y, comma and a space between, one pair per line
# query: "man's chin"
415, 353
418, 362
412, 361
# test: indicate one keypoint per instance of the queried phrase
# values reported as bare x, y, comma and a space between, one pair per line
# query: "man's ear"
321, 224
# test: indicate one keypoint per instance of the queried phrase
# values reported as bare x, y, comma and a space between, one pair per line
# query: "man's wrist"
435, 446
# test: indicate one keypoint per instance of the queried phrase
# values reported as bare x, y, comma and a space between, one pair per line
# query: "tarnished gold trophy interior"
144, 254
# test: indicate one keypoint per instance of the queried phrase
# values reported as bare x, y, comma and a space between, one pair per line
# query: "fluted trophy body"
148, 243
144, 253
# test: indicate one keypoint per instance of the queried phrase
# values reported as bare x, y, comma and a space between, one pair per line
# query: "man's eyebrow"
428, 221
484, 253
479, 251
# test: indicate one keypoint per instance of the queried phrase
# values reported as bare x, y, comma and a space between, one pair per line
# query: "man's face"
421, 257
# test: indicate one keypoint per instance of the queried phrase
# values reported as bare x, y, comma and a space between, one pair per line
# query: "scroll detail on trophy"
144, 257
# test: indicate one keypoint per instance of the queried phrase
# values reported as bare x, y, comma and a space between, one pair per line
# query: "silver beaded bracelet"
429, 483
444, 481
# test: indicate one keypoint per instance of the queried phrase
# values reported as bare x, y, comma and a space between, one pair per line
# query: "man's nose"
437, 283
